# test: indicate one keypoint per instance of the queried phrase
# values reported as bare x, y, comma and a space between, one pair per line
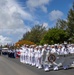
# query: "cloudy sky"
19, 16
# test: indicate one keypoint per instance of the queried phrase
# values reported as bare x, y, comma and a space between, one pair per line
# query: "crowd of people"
38, 56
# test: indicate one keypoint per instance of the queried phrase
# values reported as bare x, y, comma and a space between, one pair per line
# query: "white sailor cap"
27, 45
36, 47
45, 44
56, 44
65, 42
49, 45
40, 46
52, 46
61, 45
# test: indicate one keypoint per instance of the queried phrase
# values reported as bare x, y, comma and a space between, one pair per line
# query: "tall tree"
36, 34
26, 36
70, 21
61, 24
55, 35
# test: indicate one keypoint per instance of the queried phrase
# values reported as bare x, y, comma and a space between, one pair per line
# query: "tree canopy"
70, 21
55, 35
36, 34
62, 31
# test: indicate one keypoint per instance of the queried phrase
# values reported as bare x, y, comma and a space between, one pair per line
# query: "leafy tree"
22, 42
36, 34
70, 21
61, 24
67, 25
63, 31
26, 36
55, 35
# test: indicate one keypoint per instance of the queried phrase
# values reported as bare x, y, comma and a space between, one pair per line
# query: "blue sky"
41, 16
19, 16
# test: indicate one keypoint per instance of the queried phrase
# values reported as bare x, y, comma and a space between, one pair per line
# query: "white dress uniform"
36, 57
53, 50
25, 54
71, 50
24, 50
22, 56
46, 63
58, 51
40, 58
33, 57
29, 56
66, 51
62, 51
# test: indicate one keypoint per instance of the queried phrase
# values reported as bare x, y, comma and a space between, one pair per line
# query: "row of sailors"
11, 53
38, 56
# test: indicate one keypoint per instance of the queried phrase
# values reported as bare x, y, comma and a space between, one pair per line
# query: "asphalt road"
10, 66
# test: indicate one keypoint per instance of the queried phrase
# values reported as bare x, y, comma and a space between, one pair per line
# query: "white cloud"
44, 8
12, 18
55, 14
33, 4
36, 22
45, 25
4, 40
11, 15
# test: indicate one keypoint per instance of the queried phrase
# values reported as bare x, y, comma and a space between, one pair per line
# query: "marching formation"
45, 56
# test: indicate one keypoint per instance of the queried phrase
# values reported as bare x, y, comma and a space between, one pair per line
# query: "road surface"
9, 66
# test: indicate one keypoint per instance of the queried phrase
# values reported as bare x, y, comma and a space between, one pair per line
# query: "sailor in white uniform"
26, 54
21, 55
71, 49
66, 51
33, 55
46, 54
24, 49
36, 56
54, 50
62, 50
40, 57
29, 55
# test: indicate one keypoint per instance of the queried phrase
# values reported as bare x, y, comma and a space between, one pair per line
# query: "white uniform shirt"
58, 51
53, 50
29, 52
26, 52
40, 53
32, 52
21, 51
71, 50
62, 51
36, 53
